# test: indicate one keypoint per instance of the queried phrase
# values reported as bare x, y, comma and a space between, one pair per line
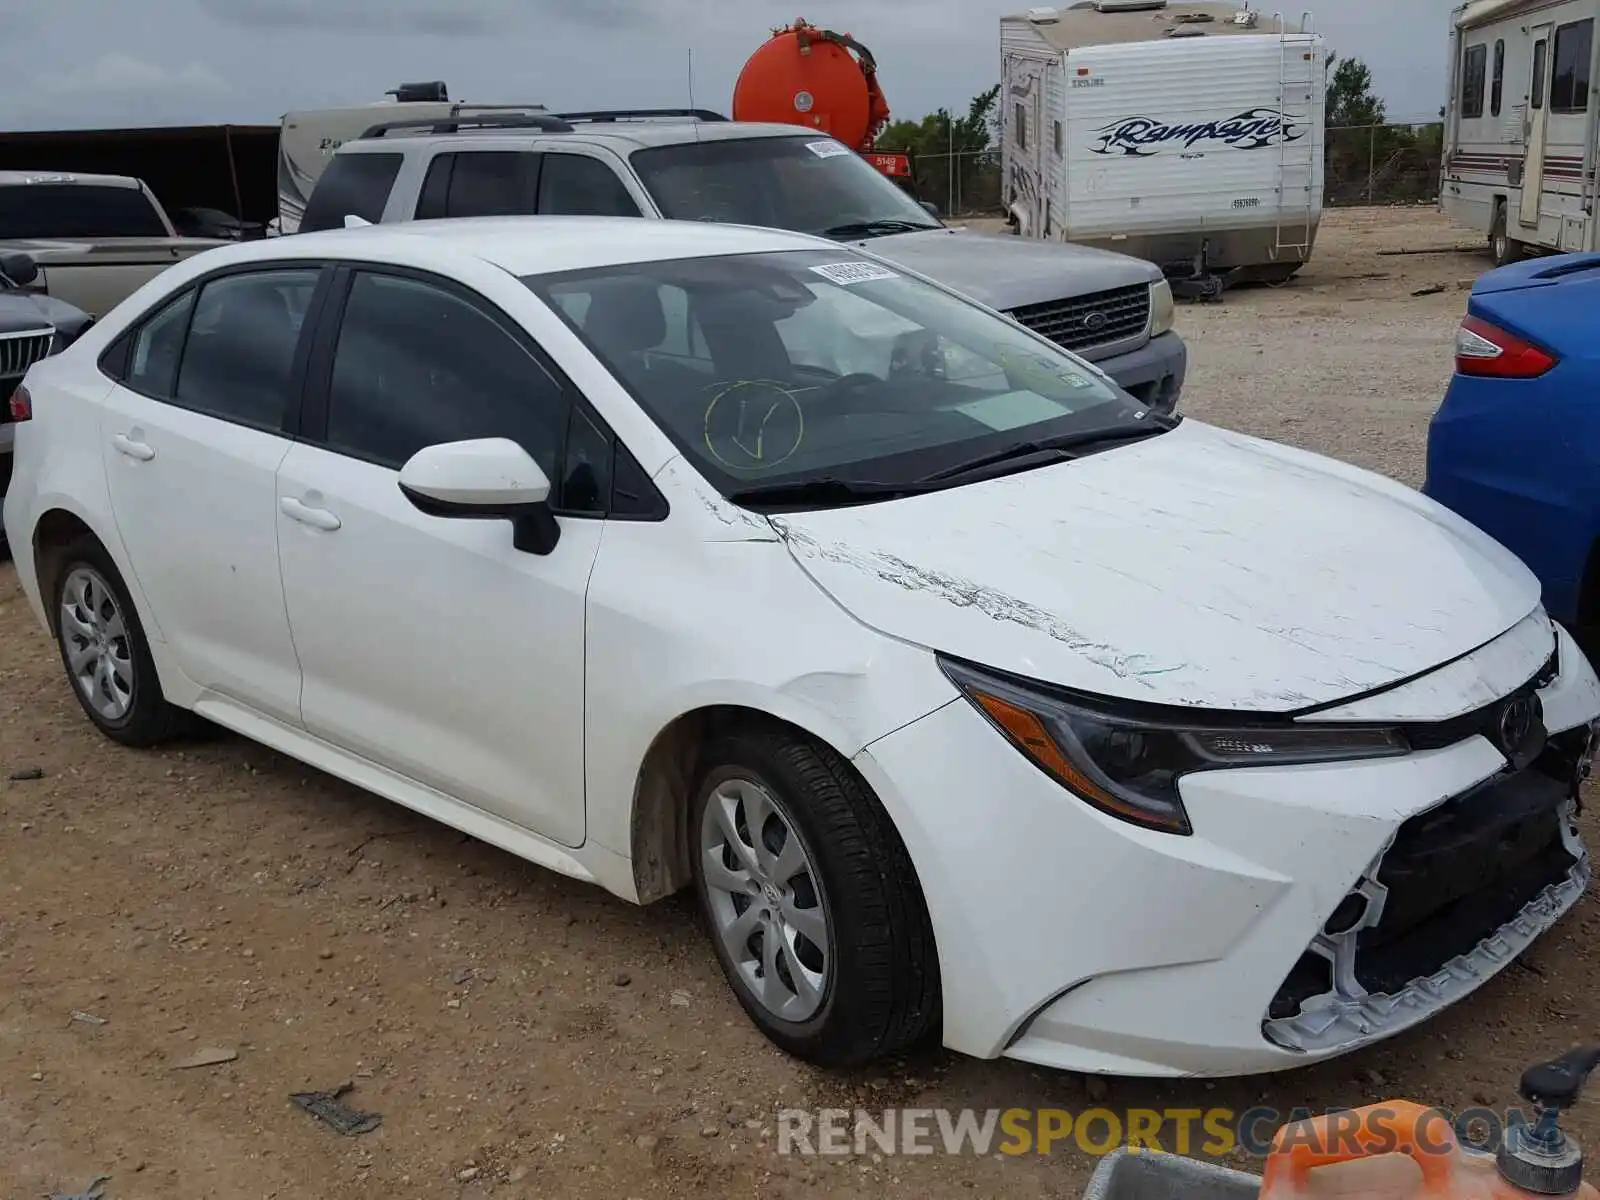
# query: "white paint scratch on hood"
1200, 568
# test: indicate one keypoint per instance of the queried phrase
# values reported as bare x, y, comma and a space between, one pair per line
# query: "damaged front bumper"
1315, 909
1458, 892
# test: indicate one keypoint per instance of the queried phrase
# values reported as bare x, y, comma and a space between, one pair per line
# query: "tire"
848, 876
1502, 248
122, 694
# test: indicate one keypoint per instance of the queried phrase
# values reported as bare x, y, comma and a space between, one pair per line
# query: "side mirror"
19, 269
929, 207
490, 479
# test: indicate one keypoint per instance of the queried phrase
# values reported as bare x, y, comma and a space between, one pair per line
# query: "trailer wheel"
1505, 250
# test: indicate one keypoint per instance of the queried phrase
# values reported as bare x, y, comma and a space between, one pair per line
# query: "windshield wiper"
1050, 450
824, 489
876, 228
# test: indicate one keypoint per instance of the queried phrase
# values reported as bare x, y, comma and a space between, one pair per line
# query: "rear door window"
238, 360
479, 183
352, 185
580, 186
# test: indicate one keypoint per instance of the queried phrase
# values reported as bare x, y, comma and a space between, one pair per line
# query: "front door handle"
139, 450
317, 518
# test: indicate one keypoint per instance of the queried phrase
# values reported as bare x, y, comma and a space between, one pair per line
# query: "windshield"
807, 184
824, 365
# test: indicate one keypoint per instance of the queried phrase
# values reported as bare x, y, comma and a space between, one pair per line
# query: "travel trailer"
1190, 135
1520, 128
309, 138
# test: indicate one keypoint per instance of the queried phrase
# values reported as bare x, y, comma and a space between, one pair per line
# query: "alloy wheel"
765, 900
95, 637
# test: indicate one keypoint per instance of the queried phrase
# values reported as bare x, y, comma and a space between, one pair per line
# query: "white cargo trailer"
1187, 134
1523, 126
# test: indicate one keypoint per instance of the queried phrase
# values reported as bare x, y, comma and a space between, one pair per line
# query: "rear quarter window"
352, 185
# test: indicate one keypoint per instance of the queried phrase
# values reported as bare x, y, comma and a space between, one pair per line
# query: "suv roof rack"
545, 123
642, 114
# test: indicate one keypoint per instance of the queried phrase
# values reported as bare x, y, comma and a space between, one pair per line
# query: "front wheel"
811, 902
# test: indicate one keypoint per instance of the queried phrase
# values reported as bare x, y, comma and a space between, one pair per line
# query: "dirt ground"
524, 1035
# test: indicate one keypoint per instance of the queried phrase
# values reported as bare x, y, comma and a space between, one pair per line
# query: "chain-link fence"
1369, 164
1382, 164
961, 184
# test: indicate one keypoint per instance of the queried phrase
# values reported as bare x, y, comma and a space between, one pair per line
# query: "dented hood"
1198, 568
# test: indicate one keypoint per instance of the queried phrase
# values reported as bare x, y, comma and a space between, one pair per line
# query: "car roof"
625, 134
536, 245
25, 178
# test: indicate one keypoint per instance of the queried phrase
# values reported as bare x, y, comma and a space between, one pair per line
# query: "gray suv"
1114, 310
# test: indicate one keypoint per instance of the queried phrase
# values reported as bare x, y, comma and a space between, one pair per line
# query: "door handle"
139, 450
317, 518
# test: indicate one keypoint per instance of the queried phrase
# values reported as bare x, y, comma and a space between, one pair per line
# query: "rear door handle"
139, 450
317, 518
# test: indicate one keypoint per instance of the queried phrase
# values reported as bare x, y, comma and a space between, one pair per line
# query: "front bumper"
1072, 940
1153, 373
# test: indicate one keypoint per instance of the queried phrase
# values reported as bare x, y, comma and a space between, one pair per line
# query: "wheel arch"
663, 786
59, 524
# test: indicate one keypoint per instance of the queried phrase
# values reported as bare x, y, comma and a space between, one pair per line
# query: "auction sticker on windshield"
827, 149
847, 273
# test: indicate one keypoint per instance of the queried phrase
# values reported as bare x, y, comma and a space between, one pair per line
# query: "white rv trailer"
308, 139
1521, 125
1189, 134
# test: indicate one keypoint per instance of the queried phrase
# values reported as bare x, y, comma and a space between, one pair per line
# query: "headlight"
1127, 763
1162, 312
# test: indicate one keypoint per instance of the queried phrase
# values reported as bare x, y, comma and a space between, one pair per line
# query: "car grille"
1084, 322
18, 352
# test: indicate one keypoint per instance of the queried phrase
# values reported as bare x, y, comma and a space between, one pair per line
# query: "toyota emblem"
1516, 722
1095, 322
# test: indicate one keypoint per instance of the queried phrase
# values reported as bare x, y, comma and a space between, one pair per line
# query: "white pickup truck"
96, 238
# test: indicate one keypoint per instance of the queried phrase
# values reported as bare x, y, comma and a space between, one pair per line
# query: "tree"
1350, 97
941, 140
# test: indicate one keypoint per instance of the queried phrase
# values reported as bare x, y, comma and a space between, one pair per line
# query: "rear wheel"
104, 650
810, 901
1501, 246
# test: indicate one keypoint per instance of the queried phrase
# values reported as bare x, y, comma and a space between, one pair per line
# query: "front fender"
726, 624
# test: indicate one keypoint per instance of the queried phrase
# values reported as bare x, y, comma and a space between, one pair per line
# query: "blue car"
1515, 447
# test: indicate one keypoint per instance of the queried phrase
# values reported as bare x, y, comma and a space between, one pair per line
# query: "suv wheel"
811, 902
104, 650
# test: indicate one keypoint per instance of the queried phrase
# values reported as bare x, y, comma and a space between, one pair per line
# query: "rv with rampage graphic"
1190, 135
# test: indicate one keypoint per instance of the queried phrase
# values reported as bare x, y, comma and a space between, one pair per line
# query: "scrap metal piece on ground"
213, 1057
327, 1107
92, 1192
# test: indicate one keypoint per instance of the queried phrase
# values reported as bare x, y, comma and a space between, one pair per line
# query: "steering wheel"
837, 389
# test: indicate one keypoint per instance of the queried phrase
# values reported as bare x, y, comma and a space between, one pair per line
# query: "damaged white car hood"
1200, 568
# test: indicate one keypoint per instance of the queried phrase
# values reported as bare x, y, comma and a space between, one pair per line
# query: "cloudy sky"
88, 63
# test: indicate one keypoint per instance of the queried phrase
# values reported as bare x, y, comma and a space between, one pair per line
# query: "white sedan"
973, 699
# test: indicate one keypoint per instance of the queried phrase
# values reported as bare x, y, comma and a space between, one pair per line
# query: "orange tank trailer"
822, 80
